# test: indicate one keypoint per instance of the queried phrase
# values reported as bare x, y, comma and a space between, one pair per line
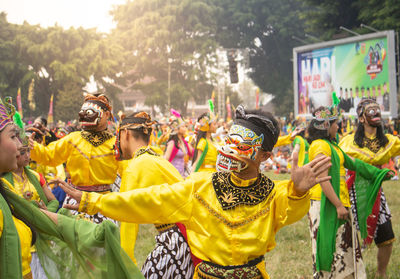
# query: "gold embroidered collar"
143, 150
229, 195
372, 144
96, 138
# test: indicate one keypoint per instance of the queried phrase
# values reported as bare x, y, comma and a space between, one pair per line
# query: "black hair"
26, 222
199, 136
360, 133
314, 133
139, 134
175, 138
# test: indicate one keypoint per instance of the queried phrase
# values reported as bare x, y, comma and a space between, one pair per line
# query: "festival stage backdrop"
356, 67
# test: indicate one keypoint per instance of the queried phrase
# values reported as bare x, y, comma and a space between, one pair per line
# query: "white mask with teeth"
240, 142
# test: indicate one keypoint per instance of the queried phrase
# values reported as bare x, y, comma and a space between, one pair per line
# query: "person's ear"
264, 155
107, 114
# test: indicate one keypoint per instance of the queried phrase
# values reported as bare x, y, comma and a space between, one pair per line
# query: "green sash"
10, 249
368, 181
75, 248
52, 205
201, 159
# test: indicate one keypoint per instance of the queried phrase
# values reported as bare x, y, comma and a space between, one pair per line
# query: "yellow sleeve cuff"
294, 195
88, 203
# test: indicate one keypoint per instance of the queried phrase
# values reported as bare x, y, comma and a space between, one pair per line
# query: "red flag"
19, 103
257, 98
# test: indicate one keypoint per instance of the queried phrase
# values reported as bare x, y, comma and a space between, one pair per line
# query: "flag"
258, 98
19, 103
50, 119
213, 96
31, 95
228, 109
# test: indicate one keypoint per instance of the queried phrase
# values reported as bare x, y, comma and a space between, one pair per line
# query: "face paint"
372, 114
240, 142
90, 116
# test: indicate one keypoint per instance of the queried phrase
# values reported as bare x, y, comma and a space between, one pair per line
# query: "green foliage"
58, 60
265, 28
167, 41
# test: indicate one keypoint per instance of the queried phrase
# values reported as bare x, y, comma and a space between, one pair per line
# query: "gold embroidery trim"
233, 225
375, 155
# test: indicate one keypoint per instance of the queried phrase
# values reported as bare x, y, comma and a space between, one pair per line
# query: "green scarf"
201, 159
52, 205
10, 249
368, 181
75, 248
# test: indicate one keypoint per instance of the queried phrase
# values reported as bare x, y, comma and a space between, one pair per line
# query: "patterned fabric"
347, 251
170, 259
143, 150
96, 138
229, 195
207, 271
372, 144
383, 217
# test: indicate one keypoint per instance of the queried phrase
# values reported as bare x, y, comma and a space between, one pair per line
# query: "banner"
228, 110
50, 119
257, 98
31, 95
19, 102
355, 70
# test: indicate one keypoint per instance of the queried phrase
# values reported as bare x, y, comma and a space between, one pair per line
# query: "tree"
167, 40
265, 28
59, 61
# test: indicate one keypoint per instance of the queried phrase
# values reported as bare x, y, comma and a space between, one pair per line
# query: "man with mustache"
371, 145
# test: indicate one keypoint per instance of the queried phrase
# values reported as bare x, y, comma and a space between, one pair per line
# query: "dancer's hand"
342, 212
31, 140
71, 191
305, 177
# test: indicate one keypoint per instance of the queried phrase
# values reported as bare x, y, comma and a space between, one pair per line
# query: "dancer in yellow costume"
371, 145
231, 216
88, 154
205, 153
16, 237
146, 168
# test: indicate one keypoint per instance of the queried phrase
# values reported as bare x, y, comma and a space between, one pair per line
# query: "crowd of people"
201, 182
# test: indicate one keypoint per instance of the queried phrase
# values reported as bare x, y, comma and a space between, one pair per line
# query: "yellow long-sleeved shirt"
88, 165
25, 238
322, 147
141, 172
224, 237
392, 149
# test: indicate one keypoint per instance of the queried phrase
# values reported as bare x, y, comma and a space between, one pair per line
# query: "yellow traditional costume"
224, 237
25, 238
210, 157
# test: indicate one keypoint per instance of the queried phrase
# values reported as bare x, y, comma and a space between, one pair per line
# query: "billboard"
356, 67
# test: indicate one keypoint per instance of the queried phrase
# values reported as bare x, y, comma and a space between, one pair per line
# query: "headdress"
259, 124
7, 111
363, 104
100, 100
136, 121
323, 116
203, 124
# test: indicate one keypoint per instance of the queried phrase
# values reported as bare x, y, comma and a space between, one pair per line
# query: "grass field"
292, 256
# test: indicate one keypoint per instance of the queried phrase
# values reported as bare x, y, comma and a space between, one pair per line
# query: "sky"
66, 13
